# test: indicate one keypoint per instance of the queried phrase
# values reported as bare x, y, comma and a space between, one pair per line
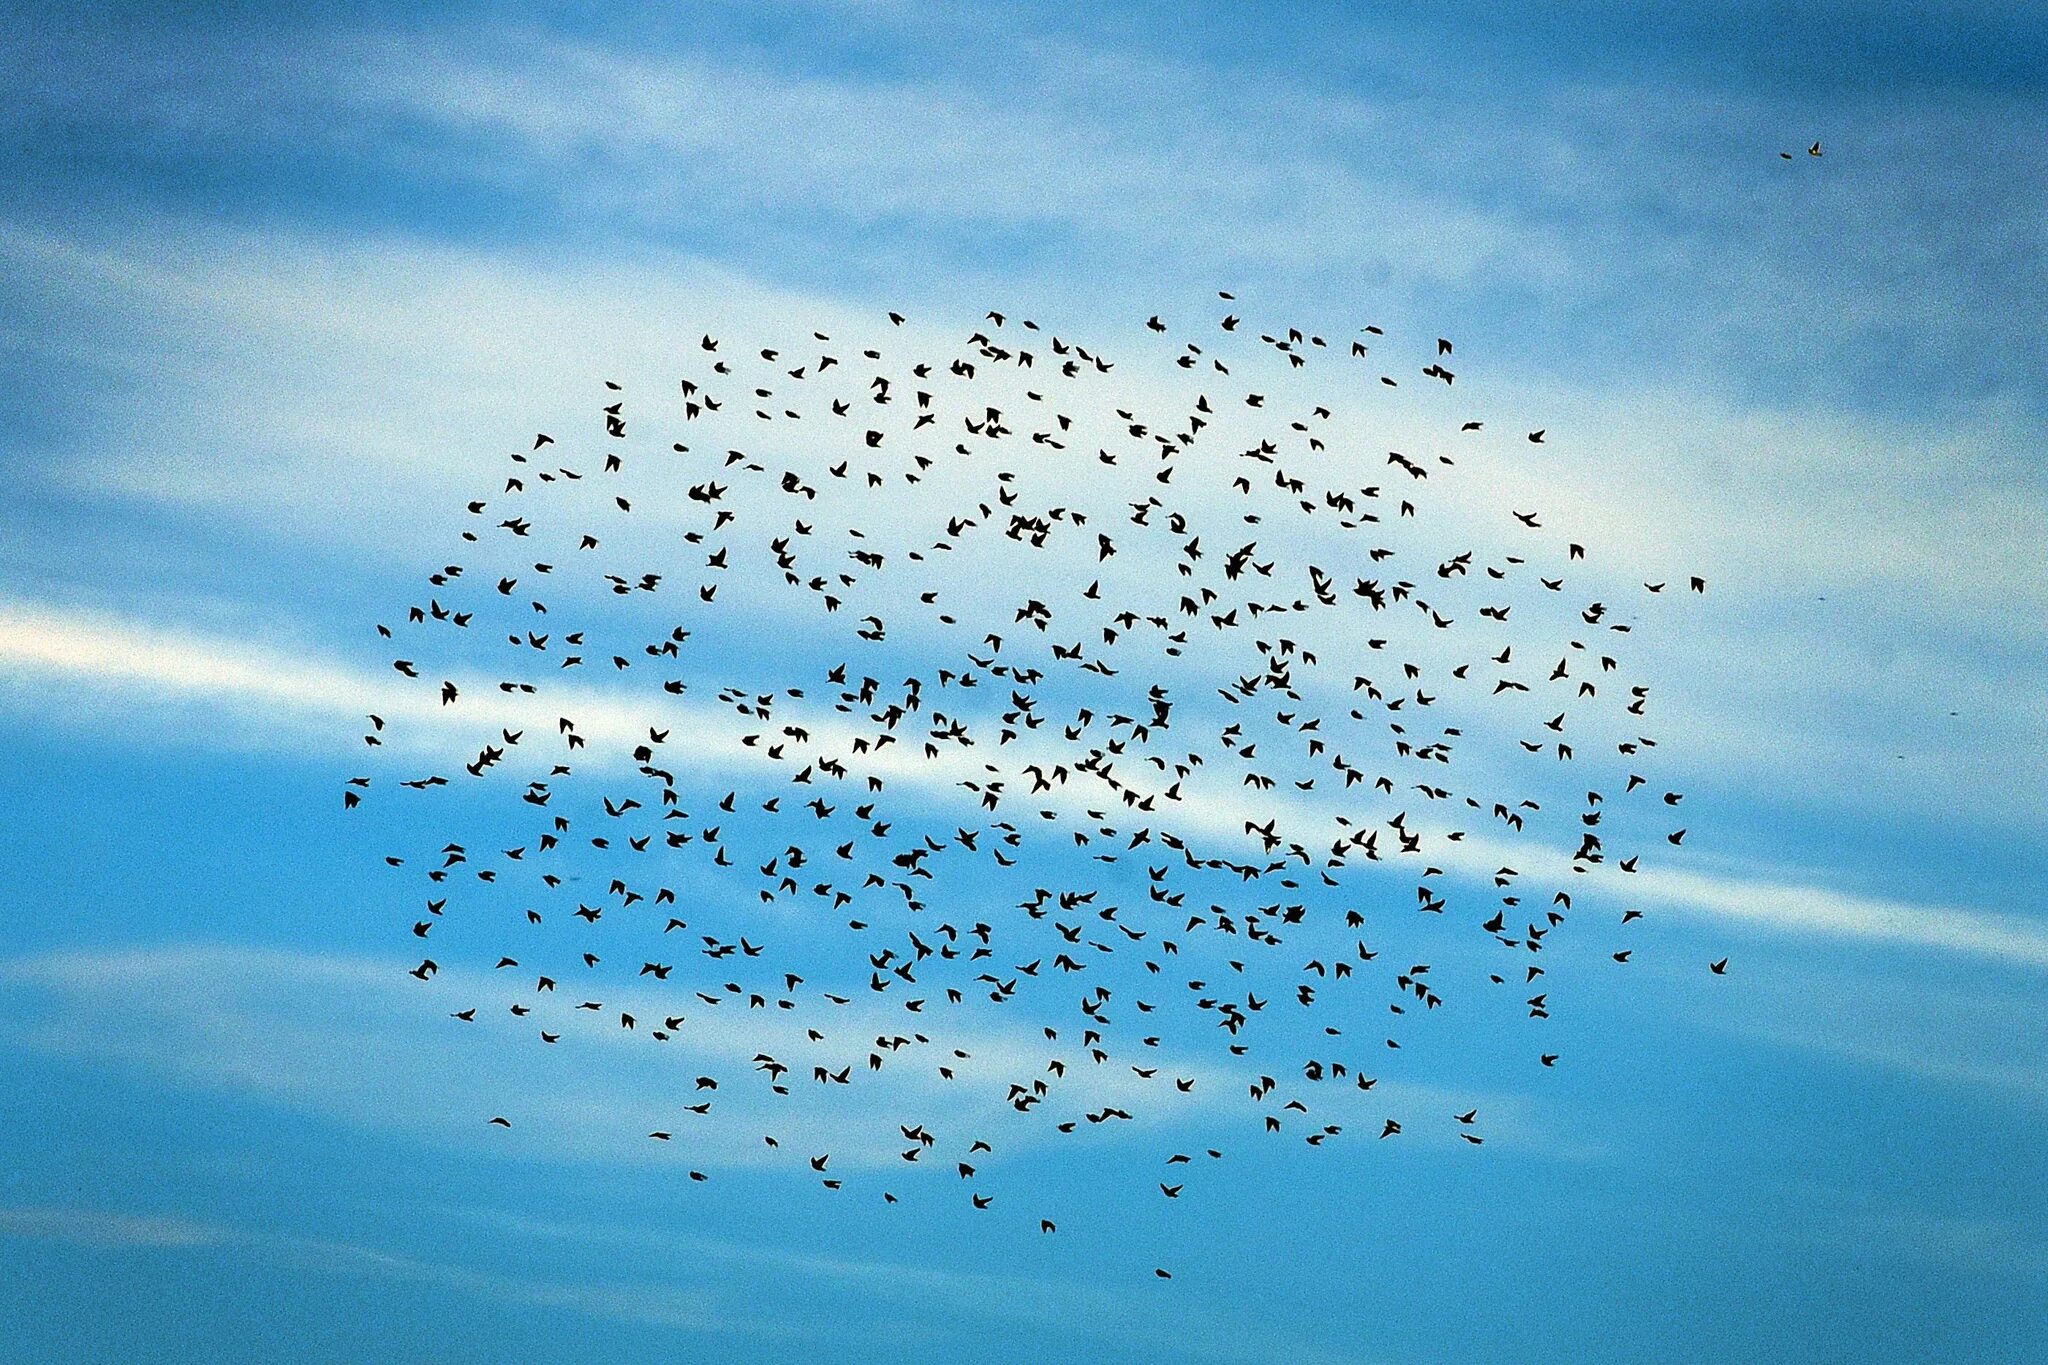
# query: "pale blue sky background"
275, 282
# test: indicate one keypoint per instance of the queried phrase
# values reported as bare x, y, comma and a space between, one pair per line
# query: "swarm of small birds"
877, 698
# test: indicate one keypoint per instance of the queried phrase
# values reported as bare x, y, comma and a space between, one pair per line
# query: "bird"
923, 759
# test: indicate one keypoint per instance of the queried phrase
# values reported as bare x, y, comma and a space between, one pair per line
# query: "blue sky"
277, 283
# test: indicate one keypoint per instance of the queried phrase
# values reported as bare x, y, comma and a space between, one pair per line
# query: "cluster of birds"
1195, 719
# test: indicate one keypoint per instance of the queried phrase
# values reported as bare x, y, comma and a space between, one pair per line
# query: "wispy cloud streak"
259, 688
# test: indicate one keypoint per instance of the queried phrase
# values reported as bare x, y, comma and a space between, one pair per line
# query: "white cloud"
341, 391
107, 1229
1834, 914
710, 1293
1996, 1247
248, 685
1054, 140
356, 1041
687, 1310
1982, 1041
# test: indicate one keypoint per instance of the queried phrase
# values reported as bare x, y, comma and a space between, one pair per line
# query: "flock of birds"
894, 700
